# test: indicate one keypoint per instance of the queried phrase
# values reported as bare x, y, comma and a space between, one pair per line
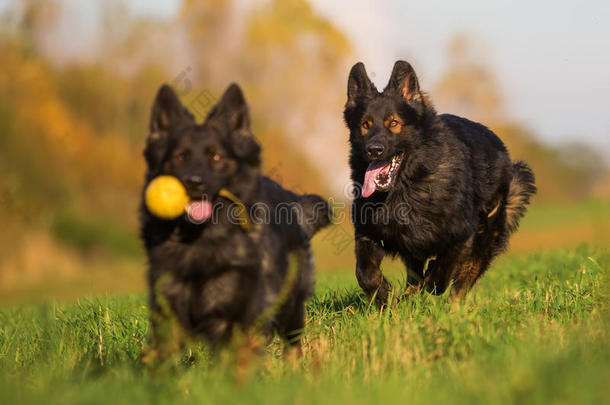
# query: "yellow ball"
166, 197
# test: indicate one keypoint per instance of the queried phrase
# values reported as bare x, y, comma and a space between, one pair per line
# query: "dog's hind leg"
472, 258
467, 271
453, 268
472, 264
368, 272
290, 320
460, 268
293, 325
440, 273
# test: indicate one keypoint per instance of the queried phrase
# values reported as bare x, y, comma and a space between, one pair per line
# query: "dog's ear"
404, 80
167, 112
233, 110
358, 84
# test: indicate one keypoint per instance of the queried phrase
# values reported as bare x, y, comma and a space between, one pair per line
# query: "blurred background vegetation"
72, 127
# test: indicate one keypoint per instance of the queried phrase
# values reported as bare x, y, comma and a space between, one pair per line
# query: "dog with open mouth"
439, 191
239, 259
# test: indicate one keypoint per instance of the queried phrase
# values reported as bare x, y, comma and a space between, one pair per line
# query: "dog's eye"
181, 157
216, 158
394, 123
365, 127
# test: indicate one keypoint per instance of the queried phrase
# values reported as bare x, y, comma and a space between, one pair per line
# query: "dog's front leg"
167, 336
368, 272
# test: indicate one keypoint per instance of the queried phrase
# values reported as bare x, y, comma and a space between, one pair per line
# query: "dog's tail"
317, 213
522, 187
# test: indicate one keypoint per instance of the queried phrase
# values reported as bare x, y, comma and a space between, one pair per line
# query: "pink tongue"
199, 210
373, 170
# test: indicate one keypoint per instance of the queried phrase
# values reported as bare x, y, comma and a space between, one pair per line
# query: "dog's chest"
411, 223
207, 254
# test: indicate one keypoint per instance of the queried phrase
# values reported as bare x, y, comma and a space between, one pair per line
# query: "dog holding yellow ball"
215, 266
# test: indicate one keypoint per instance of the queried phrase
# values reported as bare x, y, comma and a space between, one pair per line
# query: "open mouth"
381, 175
199, 211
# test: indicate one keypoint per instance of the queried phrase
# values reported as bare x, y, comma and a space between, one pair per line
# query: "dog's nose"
374, 150
194, 182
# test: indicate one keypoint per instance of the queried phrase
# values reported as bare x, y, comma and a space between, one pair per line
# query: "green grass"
562, 214
533, 331
88, 234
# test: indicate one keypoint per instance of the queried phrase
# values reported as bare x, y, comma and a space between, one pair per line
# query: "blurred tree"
292, 64
53, 161
470, 89
299, 76
468, 86
38, 18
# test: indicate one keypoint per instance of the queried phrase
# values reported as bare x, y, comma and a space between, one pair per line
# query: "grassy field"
535, 330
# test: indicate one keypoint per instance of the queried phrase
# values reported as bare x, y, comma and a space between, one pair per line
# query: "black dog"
225, 271
439, 191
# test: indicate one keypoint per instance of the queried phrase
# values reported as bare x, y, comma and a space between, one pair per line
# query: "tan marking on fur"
364, 126
467, 271
440, 169
493, 212
415, 96
427, 263
164, 119
423, 98
405, 90
397, 129
413, 289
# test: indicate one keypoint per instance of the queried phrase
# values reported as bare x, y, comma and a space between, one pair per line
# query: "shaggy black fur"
217, 276
453, 193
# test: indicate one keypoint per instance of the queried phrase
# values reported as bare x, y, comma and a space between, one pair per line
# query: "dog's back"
297, 217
